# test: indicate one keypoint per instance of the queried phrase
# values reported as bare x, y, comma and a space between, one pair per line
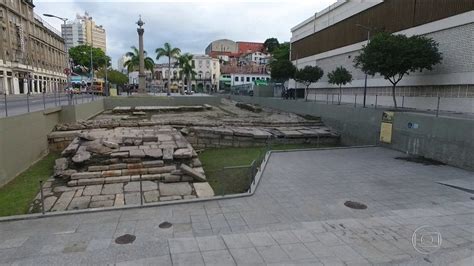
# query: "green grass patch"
237, 179
16, 196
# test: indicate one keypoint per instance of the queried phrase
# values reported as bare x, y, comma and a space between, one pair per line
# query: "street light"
67, 70
368, 29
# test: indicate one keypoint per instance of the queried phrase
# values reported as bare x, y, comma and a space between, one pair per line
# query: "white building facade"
331, 38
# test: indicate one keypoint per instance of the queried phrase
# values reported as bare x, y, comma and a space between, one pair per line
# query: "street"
20, 104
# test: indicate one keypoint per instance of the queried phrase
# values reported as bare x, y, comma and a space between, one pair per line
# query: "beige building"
32, 53
95, 35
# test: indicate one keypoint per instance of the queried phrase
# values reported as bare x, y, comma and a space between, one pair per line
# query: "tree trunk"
340, 94
393, 95
305, 93
169, 77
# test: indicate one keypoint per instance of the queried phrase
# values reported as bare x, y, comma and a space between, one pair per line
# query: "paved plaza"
297, 216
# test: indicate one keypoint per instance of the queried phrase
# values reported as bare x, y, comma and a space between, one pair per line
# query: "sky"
187, 24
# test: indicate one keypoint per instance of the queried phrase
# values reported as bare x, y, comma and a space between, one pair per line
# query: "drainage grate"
165, 225
125, 239
355, 205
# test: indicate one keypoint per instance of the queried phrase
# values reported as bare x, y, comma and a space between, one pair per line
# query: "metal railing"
16, 104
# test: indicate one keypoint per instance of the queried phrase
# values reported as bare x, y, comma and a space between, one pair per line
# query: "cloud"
189, 25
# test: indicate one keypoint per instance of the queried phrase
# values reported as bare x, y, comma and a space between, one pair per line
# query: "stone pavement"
297, 216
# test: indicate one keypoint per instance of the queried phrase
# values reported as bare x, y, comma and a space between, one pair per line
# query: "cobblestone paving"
297, 216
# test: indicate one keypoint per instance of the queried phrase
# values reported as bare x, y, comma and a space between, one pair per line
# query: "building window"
248, 79
242, 79
236, 78
253, 78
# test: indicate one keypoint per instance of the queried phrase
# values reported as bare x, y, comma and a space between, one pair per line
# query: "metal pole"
6, 106
141, 191
327, 98
365, 82
332, 98
44, 100
403, 101
355, 101
376, 97
437, 108
42, 197
28, 101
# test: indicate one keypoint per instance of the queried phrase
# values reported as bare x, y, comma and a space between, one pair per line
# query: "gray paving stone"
92, 190
259, 239
63, 201
135, 186
103, 197
102, 204
284, 237
194, 258
132, 198
151, 196
183, 245
273, 254
297, 251
218, 257
247, 256
208, 243
237, 241
175, 189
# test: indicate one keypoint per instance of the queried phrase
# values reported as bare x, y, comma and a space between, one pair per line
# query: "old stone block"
153, 153
169, 178
168, 154
81, 156
162, 137
135, 186
149, 177
72, 183
175, 189
102, 204
63, 201
182, 154
161, 170
92, 190
111, 173
196, 162
110, 144
151, 196
90, 181
189, 197
170, 198
132, 160
141, 171
134, 166
86, 175
193, 173
117, 179
119, 155
132, 198
119, 200
49, 202
112, 189
137, 153
96, 168
128, 148
118, 166
103, 197
149, 164
203, 190
79, 203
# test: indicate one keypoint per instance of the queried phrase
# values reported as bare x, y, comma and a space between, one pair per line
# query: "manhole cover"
125, 239
355, 205
165, 225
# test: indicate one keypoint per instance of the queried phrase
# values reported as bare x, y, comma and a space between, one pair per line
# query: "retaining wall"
112, 102
446, 139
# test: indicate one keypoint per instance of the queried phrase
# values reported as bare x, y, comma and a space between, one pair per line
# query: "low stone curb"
253, 189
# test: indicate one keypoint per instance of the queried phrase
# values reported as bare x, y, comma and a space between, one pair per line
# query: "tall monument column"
141, 71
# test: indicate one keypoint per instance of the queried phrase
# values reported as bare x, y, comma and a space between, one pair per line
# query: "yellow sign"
386, 127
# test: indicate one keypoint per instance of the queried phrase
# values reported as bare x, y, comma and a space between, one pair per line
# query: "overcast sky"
189, 25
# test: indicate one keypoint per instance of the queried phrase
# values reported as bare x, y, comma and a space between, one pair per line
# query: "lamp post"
67, 70
368, 29
141, 72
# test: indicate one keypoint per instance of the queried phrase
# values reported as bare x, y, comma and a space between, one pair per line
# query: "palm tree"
134, 62
187, 69
169, 52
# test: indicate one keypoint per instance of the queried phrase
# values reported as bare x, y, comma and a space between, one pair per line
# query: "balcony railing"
47, 25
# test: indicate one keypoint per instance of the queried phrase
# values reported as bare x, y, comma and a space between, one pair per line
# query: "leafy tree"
394, 56
308, 75
134, 62
81, 57
282, 70
271, 44
187, 69
113, 76
282, 52
169, 52
340, 76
